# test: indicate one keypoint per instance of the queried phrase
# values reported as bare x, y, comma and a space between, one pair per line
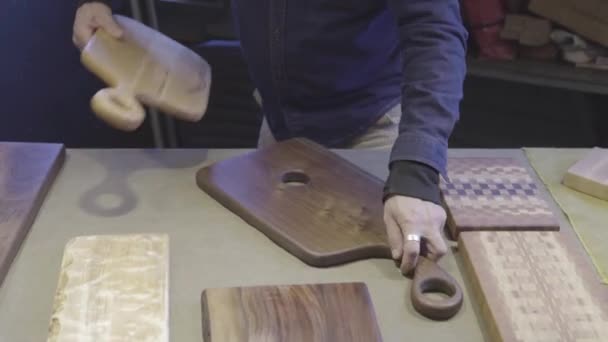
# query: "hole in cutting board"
295, 178
436, 295
436, 290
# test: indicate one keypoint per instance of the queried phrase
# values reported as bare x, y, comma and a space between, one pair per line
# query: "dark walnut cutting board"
26, 173
316, 205
295, 313
322, 209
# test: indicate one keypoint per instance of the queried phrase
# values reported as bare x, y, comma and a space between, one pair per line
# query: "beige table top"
139, 191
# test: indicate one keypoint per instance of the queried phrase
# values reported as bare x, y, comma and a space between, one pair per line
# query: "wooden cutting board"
493, 194
590, 174
145, 67
27, 171
113, 288
535, 286
340, 312
322, 209
316, 205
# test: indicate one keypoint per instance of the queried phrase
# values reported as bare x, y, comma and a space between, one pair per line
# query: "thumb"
108, 23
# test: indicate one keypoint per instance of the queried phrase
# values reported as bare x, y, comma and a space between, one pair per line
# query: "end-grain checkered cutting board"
493, 194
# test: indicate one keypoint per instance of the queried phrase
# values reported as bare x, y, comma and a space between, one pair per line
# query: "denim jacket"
329, 69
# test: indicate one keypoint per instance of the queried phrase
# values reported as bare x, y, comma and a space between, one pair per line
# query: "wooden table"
136, 191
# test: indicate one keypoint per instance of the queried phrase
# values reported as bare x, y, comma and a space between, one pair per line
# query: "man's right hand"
90, 17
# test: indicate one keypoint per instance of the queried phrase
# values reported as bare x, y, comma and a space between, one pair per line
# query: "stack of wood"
575, 30
583, 29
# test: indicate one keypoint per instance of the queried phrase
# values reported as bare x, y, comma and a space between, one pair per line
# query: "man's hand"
89, 18
405, 216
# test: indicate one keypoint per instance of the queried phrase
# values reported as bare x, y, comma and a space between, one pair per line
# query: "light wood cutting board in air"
149, 68
295, 313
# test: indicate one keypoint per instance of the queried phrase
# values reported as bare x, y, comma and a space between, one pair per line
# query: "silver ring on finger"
412, 237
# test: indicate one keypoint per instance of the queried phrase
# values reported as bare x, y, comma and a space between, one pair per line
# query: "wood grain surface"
146, 67
27, 171
590, 174
493, 194
341, 312
535, 286
335, 217
113, 288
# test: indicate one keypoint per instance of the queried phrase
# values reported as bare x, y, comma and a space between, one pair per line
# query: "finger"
81, 36
395, 237
436, 245
411, 251
108, 24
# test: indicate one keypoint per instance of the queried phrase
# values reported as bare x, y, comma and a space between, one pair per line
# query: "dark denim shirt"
329, 69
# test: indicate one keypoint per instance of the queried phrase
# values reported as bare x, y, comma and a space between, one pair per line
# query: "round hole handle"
118, 108
429, 277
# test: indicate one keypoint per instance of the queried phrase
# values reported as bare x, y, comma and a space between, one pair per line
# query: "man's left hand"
407, 216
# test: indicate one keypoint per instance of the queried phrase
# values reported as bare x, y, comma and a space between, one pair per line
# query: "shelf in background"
548, 74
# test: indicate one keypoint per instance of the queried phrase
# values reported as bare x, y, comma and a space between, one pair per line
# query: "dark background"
45, 91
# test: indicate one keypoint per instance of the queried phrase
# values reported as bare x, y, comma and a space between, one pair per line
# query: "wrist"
413, 179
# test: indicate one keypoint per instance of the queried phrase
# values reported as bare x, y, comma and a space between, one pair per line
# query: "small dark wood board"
319, 207
26, 172
296, 313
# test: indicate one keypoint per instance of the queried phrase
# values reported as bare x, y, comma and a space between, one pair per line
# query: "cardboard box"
588, 18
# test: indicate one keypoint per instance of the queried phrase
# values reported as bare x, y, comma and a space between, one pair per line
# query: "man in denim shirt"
355, 73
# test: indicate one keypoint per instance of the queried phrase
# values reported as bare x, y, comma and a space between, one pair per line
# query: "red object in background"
485, 19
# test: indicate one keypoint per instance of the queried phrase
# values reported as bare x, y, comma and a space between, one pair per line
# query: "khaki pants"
381, 135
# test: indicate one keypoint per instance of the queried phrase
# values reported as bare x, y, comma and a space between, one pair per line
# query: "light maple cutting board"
340, 312
321, 208
535, 286
590, 174
27, 171
113, 288
145, 67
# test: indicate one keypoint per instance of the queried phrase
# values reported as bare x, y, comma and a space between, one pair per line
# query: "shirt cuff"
422, 149
413, 179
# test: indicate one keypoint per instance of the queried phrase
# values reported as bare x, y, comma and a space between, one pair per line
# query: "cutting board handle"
429, 277
119, 108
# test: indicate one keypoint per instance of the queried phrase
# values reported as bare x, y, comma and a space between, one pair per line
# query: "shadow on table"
112, 196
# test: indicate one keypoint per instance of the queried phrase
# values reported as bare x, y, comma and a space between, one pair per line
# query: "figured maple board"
340, 312
535, 286
27, 171
493, 194
151, 68
335, 217
113, 288
590, 174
